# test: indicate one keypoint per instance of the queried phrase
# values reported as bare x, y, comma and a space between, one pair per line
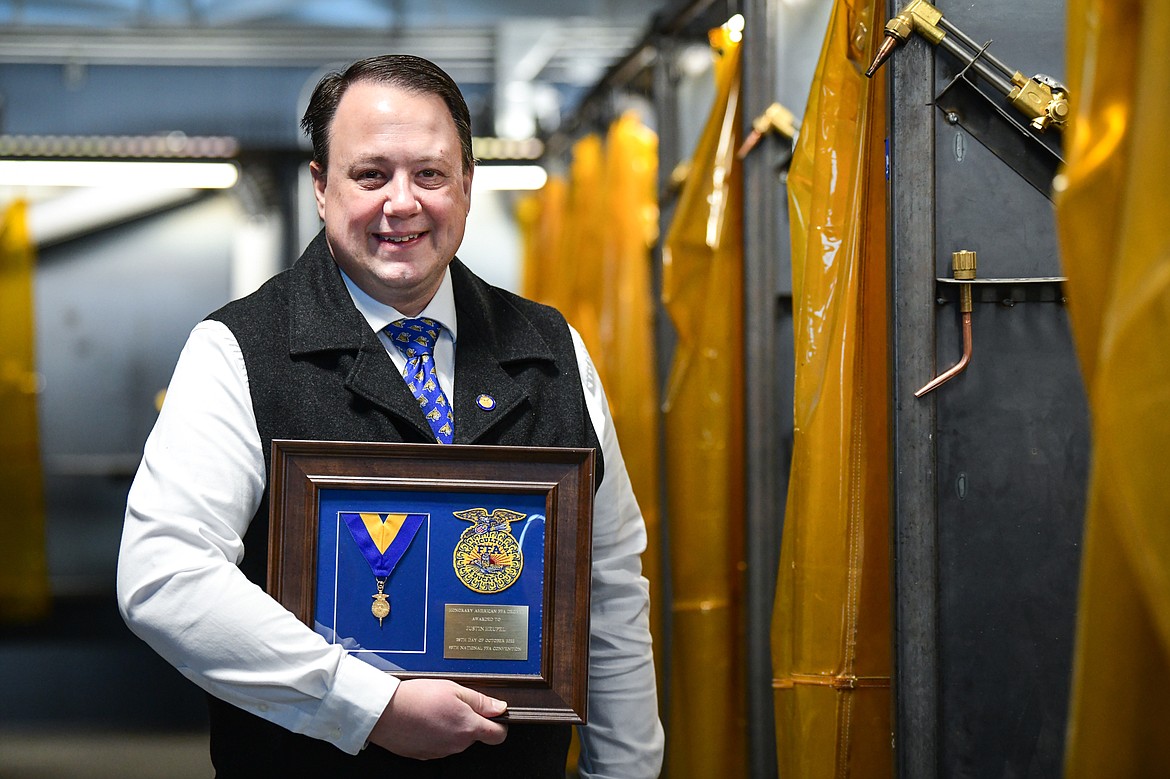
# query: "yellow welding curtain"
1111, 217
582, 254
564, 231
588, 249
626, 319
703, 294
830, 630
541, 217
24, 579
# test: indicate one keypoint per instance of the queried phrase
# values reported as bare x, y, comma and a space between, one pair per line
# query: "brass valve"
1042, 98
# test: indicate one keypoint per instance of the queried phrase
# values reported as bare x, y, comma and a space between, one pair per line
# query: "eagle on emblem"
483, 522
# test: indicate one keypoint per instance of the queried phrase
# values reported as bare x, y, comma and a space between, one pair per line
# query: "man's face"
395, 196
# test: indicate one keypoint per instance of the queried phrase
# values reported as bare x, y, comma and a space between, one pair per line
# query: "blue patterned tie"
416, 338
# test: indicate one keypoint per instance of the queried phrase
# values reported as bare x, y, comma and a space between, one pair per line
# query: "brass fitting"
923, 18
775, 119
963, 268
916, 16
1043, 99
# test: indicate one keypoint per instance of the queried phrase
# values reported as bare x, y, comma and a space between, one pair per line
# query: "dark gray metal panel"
1012, 460
1027, 35
990, 467
1012, 440
982, 205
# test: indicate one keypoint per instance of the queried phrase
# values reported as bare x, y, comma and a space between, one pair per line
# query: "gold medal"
380, 608
382, 539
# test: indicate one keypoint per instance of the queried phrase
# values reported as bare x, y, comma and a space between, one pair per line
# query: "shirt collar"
441, 308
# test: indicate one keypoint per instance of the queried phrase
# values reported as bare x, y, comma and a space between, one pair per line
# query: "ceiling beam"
468, 53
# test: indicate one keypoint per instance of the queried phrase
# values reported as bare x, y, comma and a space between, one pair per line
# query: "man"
308, 356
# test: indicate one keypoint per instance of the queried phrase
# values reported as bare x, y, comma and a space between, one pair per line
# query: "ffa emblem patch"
487, 556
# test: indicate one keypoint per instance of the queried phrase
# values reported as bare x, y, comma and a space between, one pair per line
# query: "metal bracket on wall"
1041, 99
1007, 292
1032, 159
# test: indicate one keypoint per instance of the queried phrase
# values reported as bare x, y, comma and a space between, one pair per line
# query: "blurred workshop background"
877, 289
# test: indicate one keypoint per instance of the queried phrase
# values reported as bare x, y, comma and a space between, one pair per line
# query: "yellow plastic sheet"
627, 324
703, 293
830, 630
541, 217
564, 231
24, 578
612, 298
1111, 217
582, 253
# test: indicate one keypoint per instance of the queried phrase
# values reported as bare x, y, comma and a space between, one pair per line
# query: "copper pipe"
958, 367
963, 267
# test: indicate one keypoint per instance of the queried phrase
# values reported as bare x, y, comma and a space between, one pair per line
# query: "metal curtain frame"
768, 377
914, 543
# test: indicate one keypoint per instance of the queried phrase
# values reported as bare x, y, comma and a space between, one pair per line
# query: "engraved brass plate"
485, 632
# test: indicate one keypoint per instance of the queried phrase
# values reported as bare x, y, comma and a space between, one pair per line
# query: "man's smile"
398, 238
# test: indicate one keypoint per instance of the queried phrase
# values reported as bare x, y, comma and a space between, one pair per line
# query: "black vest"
317, 371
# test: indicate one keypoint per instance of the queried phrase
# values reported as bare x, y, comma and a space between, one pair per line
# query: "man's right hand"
429, 718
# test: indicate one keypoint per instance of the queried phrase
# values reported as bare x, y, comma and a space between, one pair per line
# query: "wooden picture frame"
491, 581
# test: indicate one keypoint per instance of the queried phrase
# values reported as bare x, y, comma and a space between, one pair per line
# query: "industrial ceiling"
528, 51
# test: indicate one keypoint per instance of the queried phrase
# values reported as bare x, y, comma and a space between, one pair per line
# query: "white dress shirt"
200, 482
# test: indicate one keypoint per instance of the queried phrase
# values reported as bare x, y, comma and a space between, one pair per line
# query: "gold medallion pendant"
382, 539
380, 608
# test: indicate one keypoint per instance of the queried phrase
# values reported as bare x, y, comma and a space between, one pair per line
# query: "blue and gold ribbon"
383, 539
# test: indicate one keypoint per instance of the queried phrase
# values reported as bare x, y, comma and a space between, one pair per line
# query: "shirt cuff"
357, 699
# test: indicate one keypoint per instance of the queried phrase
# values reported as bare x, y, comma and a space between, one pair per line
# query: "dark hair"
405, 71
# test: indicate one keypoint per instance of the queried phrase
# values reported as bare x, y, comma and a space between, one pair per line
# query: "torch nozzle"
883, 53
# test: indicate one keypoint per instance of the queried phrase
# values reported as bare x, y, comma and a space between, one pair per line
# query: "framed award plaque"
469, 563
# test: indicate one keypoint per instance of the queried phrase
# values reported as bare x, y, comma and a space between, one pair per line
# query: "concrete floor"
113, 755
82, 698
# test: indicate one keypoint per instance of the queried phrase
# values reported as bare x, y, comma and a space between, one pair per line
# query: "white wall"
492, 246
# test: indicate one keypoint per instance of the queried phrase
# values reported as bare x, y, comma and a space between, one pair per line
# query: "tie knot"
414, 337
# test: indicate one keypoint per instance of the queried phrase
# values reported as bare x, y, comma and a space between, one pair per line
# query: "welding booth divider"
986, 473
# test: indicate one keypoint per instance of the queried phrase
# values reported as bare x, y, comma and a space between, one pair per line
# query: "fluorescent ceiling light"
95, 173
82, 210
508, 177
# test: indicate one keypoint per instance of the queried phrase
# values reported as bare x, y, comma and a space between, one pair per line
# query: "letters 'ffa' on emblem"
487, 556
